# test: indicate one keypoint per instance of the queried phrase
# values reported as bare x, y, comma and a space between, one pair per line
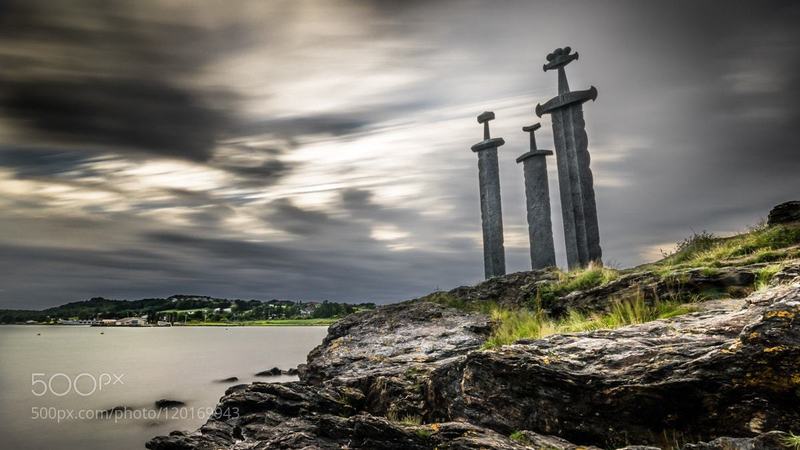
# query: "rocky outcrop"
784, 213
391, 339
301, 416
703, 375
413, 376
512, 290
520, 289
684, 284
389, 353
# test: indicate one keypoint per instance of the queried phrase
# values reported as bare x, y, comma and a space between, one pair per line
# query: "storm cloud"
317, 150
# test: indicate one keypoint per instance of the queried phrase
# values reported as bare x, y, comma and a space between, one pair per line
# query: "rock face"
390, 339
300, 416
511, 290
784, 213
413, 376
774, 440
274, 372
389, 353
703, 375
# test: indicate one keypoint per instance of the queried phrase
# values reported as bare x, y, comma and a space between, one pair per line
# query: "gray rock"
270, 373
512, 290
774, 440
389, 353
167, 403
784, 213
545, 442
392, 339
228, 380
300, 416
706, 374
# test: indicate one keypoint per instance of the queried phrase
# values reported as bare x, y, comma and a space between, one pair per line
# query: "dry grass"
514, 325
761, 244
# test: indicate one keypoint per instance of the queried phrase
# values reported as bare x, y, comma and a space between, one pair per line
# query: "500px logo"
83, 384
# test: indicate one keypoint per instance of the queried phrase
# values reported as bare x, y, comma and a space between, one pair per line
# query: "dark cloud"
30, 162
262, 174
357, 199
122, 114
288, 217
92, 75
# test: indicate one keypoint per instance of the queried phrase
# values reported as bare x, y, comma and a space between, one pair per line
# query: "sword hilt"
484, 118
558, 58
531, 129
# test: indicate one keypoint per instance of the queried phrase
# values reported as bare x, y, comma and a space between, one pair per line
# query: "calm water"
136, 367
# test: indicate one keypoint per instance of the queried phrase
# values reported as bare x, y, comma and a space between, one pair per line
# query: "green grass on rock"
515, 324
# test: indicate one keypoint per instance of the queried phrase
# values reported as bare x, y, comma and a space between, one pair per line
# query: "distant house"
308, 308
76, 322
131, 322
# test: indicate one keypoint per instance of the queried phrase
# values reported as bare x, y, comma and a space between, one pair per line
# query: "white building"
131, 322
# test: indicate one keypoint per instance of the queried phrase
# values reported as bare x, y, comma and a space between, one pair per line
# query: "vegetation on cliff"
702, 267
515, 324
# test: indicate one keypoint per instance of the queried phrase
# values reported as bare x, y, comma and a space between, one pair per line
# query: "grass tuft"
792, 441
514, 325
576, 280
761, 244
519, 436
409, 419
423, 433
764, 275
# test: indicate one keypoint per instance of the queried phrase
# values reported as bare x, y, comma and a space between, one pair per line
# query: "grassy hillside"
763, 250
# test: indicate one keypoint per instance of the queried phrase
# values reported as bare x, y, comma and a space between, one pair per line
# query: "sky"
321, 149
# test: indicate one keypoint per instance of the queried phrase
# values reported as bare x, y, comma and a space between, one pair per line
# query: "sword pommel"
560, 57
485, 116
531, 128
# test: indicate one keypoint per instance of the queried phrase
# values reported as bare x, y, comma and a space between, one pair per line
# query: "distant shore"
247, 323
263, 323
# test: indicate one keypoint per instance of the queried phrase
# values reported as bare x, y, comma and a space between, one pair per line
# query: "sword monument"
494, 258
537, 197
576, 183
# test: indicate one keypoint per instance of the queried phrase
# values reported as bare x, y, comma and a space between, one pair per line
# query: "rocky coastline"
417, 375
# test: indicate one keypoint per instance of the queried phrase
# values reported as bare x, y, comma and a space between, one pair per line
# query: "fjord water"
142, 365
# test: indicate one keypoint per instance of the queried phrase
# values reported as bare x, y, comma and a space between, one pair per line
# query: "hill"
185, 308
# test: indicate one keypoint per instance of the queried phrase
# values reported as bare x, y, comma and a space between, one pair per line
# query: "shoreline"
255, 323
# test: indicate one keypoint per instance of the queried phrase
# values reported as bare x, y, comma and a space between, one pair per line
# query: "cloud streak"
312, 150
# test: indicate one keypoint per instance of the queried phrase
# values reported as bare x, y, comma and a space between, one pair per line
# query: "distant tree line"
185, 308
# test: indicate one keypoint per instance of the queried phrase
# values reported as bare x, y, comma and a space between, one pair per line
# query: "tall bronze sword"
576, 183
